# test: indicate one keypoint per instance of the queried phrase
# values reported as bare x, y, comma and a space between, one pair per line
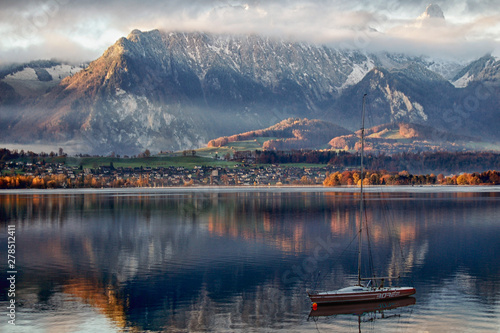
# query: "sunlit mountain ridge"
173, 90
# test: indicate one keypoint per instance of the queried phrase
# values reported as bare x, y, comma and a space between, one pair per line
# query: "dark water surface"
242, 260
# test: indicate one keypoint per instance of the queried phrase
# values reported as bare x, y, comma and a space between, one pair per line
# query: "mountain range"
174, 90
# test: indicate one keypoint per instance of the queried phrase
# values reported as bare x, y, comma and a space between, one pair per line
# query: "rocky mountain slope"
485, 69
173, 90
409, 94
176, 90
415, 94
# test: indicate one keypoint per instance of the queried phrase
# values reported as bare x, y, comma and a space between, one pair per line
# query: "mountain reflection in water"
215, 261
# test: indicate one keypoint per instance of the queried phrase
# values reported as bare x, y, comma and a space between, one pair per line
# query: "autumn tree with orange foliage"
405, 178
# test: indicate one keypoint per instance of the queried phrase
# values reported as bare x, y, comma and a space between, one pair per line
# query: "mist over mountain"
173, 90
433, 11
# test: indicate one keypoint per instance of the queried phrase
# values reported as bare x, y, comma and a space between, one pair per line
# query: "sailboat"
360, 292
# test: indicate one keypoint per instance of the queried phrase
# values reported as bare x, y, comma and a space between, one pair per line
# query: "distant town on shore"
57, 170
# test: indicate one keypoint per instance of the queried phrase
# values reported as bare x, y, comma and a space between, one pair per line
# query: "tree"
333, 179
462, 180
356, 178
475, 180
305, 180
374, 179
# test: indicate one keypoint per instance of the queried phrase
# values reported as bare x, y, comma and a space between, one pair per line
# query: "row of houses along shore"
109, 176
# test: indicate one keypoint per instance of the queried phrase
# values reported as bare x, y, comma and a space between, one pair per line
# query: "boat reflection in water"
372, 310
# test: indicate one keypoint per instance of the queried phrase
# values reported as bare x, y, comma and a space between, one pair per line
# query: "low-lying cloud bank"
69, 29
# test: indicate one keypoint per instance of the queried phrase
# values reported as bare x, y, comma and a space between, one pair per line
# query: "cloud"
438, 36
84, 29
57, 47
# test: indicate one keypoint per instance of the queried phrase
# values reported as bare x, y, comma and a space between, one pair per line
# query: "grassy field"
254, 144
153, 162
203, 157
231, 147
212, 151
387, 134
176, 161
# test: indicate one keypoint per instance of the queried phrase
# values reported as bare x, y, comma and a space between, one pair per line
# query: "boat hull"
361, 307
365, 296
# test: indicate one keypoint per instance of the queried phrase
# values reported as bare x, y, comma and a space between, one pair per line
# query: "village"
20, 170
59, 175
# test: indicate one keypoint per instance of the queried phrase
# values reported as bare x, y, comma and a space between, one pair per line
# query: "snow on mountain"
358, 73
485, 69
463, 81
160, 90
410, 93
444, 67
270, 61
175, 90
61, 71
25, 74
447, 68
37, 77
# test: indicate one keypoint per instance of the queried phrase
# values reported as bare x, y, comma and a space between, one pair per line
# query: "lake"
242, 260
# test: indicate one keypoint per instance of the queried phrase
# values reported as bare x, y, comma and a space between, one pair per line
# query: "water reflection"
365, 312
218, 261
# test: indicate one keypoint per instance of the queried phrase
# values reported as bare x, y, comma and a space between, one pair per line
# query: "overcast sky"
82, 30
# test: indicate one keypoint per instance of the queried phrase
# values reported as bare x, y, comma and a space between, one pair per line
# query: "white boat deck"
359, 289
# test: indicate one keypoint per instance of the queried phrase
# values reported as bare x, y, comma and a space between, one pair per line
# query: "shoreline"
265, 188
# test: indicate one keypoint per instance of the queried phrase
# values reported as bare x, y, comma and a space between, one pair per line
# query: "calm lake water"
242, 260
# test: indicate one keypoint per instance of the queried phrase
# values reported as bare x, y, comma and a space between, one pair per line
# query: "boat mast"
361, 204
